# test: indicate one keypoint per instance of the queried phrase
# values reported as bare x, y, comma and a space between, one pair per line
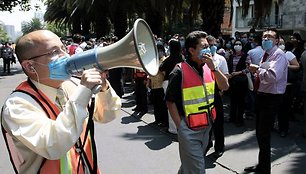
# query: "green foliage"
7, 5
3, 35
59, 30
34, 24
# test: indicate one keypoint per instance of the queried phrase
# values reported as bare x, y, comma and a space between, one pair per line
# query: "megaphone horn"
135, 50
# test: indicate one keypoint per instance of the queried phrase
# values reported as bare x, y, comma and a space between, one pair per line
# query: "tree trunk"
155, 21
212, 16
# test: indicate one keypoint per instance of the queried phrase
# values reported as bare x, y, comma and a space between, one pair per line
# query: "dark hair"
210, 38
297, 36
174, 48
252, 30
237, 40
192, 40
273, 29
160, 47
257, 39
289, 46
77, 38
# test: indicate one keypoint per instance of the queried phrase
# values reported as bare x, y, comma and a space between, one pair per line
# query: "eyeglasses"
52, 53
238, 44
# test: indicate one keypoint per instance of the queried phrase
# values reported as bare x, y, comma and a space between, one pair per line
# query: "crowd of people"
266, 82
260, 72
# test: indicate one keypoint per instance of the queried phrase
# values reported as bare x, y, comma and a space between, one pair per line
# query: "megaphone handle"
96, 89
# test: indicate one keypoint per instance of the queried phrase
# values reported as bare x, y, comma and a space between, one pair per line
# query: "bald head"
32, 43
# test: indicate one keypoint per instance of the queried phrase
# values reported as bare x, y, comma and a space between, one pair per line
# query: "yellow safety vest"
198, 96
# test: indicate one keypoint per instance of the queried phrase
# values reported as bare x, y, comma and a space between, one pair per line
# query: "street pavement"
131, 145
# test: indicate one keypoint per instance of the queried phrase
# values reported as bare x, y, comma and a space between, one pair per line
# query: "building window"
305, 19
247, 21
277, 21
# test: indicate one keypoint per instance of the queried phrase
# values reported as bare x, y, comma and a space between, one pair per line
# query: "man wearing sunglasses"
45, 121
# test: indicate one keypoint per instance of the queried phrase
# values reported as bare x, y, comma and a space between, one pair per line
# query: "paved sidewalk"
241, 150
131, 145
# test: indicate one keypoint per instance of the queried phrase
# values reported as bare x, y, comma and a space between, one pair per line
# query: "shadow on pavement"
288, 152
130, 119
156, 140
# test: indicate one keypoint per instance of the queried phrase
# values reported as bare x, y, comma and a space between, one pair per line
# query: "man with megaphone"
45, 121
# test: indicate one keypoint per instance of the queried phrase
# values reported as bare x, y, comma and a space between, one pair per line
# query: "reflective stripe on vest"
198, 96
68, 164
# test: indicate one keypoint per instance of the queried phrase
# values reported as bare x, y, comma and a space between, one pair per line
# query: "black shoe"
209, 145
255, 169
161, 125
251, 169
218, 153
283, 134
240, 124
136, 109
155, 123
142, 113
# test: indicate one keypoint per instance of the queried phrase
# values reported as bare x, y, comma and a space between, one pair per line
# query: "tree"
61, 31
34, 24
212, 16
163, 16
7, 5
3, 35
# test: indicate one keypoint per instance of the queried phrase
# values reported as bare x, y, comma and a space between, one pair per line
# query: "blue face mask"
244, 40
182, 43
267, 44
253, 45
203, 52
213, 49
57, 69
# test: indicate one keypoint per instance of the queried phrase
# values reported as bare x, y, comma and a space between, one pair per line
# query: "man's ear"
27, 66
276, 41
191, 50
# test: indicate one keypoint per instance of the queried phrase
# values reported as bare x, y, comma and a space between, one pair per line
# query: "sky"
17, 17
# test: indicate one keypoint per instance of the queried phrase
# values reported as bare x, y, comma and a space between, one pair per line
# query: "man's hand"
93, 77
253, 68
208, 59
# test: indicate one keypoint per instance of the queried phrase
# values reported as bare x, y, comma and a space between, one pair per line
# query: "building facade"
288, 16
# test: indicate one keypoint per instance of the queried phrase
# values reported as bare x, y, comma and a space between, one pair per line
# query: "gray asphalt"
131, 145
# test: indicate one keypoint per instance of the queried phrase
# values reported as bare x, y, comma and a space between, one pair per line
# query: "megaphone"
135, 50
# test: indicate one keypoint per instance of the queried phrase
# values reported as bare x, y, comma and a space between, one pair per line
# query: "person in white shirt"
286, 110
256, 53
41, 126
218, 125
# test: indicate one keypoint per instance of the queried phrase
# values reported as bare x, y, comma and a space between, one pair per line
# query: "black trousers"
286, 109
238, 91
115, 76
160, 107
267, 106
141, 95
218, 125
7, 65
